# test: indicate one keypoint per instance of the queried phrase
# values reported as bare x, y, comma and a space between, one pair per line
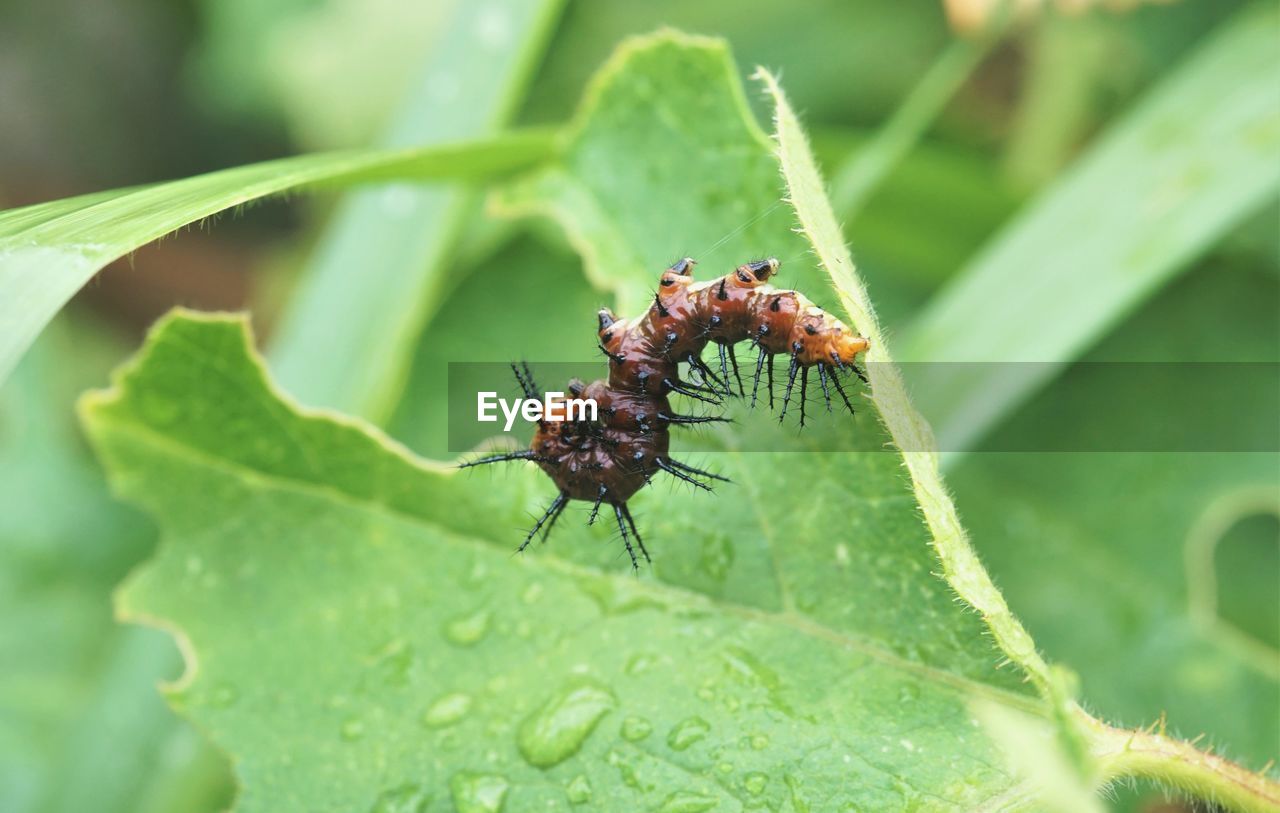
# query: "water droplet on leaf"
578, 790
640, 662
687, 732
556, 731
447, 710
478, 793
407, 798
636, 728
684, 801
468, 630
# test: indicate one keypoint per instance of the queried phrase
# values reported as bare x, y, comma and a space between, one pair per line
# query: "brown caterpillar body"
608, 460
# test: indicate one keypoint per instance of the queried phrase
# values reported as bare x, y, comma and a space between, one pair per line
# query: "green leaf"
1176, 173
346, 337
358, 627
48, 251
358, 630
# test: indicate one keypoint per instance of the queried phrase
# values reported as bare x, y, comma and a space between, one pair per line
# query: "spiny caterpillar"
607, 460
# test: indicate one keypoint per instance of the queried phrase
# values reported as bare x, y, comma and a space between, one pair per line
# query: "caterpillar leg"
685, 467
687, 419
724, 366
835, 379
804, 392
552, 514
626, 538
791, 383
666, 465
822, 378
524, 377
689, 391
770, 382
527, 454
733, 359
626, 513
595, 509
705, 371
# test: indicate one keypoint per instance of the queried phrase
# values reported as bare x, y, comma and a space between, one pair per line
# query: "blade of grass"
49, 250
346, 339
1195, 156
856, 180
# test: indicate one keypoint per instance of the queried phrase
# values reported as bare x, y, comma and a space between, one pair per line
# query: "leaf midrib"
963, 686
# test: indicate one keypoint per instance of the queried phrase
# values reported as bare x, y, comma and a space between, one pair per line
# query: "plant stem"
1152, 755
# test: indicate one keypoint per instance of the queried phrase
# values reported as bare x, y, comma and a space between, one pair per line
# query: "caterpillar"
607, 460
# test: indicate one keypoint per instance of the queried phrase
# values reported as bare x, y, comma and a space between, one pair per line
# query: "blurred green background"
1156, 577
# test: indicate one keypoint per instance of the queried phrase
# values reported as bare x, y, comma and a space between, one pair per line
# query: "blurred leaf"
958, 195
277, 60
345, 341
1114, 533
1193, 159
871, 53
81, 727
1070, 56
48, 251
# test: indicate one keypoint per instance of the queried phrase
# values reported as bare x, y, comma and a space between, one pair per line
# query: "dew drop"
759, 742
684, 801
468, 630
556, 731
626, 771
725, 767
578, 790
352, 730
755, 783
686, 732
640, 662
478, 793
635, 729
447, 710
407, 798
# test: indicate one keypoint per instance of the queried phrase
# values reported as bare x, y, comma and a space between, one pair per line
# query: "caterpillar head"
821, 338
846, 345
